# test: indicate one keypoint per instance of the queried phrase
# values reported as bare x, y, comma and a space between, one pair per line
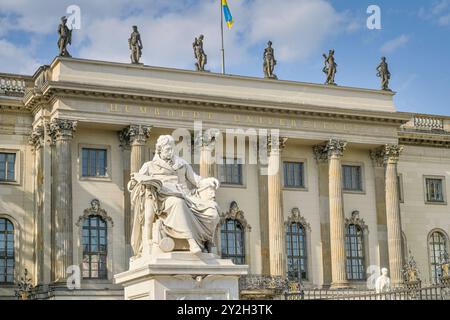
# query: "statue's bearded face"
167, 151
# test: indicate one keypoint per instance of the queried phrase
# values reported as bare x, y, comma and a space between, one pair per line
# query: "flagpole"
221, 31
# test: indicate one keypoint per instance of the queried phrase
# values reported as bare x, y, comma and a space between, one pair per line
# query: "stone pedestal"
181, 276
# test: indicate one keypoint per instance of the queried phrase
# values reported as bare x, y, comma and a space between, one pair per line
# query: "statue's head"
383, 58
165, 147
201, 37
95, 204
134, 28
269, 43
384, 271
64, 19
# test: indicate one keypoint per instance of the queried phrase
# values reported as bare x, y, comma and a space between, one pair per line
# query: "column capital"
388, 153
207, 139
60, 129
134, 135
333, 147
276, 145
36, 139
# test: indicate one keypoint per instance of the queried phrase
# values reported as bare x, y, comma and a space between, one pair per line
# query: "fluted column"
277, 242
133, 140
394, 227
62, 131
377, 157
207, 156
36, 140
334, 150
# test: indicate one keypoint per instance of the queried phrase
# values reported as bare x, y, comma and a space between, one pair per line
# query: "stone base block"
181, 275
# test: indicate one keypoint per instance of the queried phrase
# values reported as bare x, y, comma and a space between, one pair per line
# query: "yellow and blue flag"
227, 14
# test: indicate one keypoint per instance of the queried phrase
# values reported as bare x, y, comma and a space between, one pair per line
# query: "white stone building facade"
359, 186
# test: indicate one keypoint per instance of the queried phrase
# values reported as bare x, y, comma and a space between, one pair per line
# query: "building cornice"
49, 90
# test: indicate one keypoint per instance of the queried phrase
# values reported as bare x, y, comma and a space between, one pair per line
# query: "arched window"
94, 243
6, 251
437, 248
354, 248
296, 240
296, 250
233, 241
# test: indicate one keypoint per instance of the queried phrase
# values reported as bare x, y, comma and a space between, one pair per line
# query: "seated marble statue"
171, 201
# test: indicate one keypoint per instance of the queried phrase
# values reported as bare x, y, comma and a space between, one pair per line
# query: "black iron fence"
268, 287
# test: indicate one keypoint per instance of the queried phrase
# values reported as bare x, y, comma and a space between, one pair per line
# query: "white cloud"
438, 12
444, 20
17, 60
394, 44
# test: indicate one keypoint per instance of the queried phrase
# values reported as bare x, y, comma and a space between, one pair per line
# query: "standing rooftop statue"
269, 62
65, 38
384, 74
199, 53
330, 68
135, 44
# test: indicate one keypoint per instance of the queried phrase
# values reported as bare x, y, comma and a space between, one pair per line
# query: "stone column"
324, 212
377, 157
133, 140
207, 154
264, 219
394, 227
334, 150
277, 242
62, 223
36, 140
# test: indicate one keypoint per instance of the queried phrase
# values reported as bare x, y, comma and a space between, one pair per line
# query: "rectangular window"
230, 172
352, 178
294, 175
7, 167
94, 162
435, 192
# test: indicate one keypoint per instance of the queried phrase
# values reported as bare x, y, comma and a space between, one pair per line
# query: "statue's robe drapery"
183, 215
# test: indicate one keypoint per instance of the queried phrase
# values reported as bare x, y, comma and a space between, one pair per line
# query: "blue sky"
415, 37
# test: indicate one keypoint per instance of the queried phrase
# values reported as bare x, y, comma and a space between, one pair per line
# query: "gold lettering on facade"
170, 113
143, 109
127, 109
157, 112
210, 115
237, 118
114, 108
196, 114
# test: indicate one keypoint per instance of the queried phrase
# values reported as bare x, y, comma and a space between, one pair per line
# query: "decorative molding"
134, 134
393, 152
276, 145
207, 139
378, 157
333, 147
61, 128
235, 213
390, 152
36, 139
410, 271
356, 220
296, 217
95, 210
